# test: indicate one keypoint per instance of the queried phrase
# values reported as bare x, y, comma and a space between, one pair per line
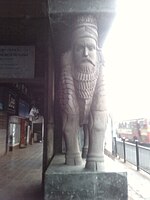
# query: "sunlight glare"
126, 51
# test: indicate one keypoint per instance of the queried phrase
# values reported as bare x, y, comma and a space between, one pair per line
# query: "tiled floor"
21, 174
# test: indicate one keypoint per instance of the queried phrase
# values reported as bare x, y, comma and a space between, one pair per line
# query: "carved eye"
91, 48
79, 48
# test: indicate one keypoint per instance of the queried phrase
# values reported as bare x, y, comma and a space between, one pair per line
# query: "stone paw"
73, 159
94, 166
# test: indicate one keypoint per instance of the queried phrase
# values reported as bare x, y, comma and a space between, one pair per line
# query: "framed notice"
17, 61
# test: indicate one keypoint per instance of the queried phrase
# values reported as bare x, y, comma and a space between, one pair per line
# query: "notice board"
17, 61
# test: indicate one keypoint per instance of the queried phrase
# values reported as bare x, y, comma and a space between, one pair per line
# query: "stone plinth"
66, 182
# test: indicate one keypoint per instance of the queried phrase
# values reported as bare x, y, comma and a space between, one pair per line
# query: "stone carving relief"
82, 95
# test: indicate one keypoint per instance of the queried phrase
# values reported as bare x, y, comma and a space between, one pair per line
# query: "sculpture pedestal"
74, 182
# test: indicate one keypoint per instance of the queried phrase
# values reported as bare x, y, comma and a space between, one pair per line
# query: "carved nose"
86, 52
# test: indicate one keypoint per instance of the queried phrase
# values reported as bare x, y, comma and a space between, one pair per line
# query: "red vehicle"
135, 129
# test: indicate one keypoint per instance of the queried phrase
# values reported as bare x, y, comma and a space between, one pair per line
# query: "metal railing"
134, 153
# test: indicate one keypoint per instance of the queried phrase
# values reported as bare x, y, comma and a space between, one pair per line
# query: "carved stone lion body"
82, 99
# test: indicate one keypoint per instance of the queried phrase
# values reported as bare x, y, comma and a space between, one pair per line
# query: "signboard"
17, 61
11, 107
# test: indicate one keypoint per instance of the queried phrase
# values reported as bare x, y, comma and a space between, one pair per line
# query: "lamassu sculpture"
82, 95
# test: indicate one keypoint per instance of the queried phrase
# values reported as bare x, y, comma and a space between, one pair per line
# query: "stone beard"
85, 76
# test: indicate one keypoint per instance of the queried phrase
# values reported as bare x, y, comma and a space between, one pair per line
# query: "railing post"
124, 150
115, 141
137, 155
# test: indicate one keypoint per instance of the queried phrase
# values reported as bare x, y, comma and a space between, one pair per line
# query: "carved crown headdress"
85, 26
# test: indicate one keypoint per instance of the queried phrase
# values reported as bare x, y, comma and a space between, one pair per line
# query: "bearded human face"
85, 54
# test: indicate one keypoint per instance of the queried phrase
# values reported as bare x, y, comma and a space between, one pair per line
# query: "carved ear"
100, 56
66, 59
